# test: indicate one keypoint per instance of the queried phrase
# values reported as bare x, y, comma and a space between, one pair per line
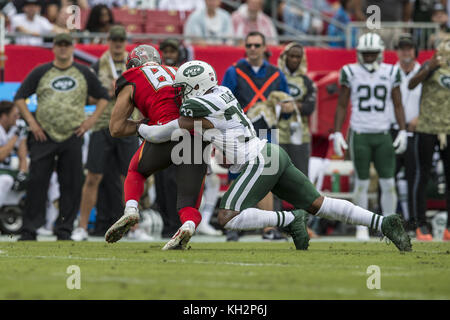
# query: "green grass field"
126, 270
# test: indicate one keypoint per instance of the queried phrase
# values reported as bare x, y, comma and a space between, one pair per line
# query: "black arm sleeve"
29, 85
95, 88
120, 84
95, 66
309, 100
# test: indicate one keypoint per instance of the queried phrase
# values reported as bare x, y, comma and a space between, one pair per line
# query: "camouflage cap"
63, 37
117, 32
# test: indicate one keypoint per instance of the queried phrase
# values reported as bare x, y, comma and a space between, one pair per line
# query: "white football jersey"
370, 96
233, 132
4, 138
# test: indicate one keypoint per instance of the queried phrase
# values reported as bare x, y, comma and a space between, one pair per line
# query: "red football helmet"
142, 54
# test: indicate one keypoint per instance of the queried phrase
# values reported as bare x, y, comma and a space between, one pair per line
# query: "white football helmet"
370, 42
195, 78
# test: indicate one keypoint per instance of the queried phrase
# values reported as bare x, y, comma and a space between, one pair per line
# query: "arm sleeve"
230, 79
95, 66
309, 101
344, 79
95, 88
397, 80
29, 85
194, 109
283, 83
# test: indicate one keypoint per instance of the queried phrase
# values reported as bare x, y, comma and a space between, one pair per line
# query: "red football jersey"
153, 93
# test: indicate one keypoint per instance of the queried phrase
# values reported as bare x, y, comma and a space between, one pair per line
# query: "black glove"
20, 182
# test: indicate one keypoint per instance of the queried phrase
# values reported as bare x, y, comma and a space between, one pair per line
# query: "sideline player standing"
371, 84
262, 167
148, 85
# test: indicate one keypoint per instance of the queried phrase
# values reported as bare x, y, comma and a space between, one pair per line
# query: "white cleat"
79, 234
206, 228
181, 238
118, 229
43, 231
362, 233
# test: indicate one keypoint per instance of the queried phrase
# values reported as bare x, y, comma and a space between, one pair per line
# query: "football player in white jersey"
12, 140
213, 111
371, 85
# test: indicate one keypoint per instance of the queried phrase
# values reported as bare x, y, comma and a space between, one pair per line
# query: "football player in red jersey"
147, 85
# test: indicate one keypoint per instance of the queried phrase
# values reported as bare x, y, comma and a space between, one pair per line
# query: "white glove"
338, 143
401, 142
158, 134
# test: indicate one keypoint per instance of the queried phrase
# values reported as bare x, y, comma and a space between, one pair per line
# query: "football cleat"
392, 228
118, 229
446, 235
181, 238
422, 234
298, 231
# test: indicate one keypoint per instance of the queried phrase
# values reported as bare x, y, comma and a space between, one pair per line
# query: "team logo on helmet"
445, 81
193, 71
64, 83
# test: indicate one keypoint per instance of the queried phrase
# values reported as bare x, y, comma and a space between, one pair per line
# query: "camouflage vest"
105, 75
61, 96
434, 117
298, 90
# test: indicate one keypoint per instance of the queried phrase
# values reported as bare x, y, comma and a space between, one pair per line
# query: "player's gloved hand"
20, 182
338, 143
401, 142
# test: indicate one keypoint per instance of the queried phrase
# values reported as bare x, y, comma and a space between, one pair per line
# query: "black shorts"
103, 147
151, 158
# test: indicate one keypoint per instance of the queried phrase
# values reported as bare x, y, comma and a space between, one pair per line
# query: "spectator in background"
439, 16
174, 53
32, 24
390, 11
104, 149
100, 20
250, 17
433, 128
302, 20
209, 25
343, 15
405, 165
181, 5
252, 79
12, 140
62, 88
109, 3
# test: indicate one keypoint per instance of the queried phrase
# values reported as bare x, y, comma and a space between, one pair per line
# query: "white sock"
360, 193
210, 196
402, 186
253, 218
347, 212
6, 183
131, 203
388, 196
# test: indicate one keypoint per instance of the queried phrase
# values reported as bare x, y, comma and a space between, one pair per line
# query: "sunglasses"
256, 45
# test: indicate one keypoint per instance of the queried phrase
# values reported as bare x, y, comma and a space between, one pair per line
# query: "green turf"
125, 270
